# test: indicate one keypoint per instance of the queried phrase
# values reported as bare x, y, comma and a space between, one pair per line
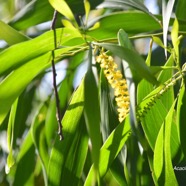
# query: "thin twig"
58, 112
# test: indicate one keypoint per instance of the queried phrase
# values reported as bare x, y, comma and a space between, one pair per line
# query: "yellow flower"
117, 82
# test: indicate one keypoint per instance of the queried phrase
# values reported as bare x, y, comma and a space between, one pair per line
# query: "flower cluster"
117, 82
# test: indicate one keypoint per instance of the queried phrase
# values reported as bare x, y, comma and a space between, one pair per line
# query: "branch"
58, 112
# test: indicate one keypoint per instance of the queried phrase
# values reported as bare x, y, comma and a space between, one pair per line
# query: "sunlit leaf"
71, 124
110, 149
10, 35
21, 53
64, 9
159, 153
87, 10
10, 134
170, 177
17, 84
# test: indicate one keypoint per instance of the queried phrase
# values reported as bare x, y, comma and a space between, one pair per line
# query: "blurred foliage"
146, 147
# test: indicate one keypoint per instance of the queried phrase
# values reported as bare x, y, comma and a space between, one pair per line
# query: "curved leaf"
127, 3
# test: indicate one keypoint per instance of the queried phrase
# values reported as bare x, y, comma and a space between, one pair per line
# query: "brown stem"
58, 112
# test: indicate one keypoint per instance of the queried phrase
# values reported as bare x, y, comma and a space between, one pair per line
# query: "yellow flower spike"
115, 79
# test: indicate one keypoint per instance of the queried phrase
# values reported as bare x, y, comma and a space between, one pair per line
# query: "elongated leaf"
163, 77
118, 172
127, 3
60, 150
21, 53
10, 35
170, 177
136, 63
175, 40
39, 11
35, 12
110, 149
131, 22
25, 161
87, 10
181, 118
64, 9
156, 112
152, 121
64, 92
166, 10
125, 42
31, 67
92, 113
13, 85
39, 139
76, 156
180, 13
158, 160
109, 118
10, 134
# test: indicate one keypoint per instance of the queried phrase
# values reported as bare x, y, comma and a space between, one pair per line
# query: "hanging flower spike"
117, 82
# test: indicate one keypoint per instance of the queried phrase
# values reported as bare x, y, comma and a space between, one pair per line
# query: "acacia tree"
123, 124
